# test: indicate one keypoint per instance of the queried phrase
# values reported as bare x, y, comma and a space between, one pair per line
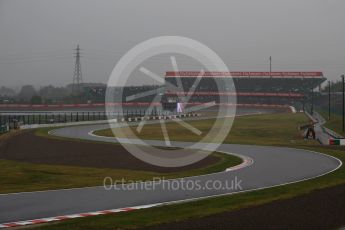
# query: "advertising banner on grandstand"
243, 74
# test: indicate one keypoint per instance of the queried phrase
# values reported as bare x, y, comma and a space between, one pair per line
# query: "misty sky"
37, 37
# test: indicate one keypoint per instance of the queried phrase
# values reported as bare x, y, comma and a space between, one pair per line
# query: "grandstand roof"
295, 74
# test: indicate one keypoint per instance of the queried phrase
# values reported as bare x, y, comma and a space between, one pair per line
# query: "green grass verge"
20, 177
266, 129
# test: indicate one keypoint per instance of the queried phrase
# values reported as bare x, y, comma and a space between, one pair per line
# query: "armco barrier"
332, 133
325, 135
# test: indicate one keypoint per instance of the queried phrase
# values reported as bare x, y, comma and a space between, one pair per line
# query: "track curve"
273, 166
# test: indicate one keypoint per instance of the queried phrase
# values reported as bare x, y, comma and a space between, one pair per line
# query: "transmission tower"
77, 76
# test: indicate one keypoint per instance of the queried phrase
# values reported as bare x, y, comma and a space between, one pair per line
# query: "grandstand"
275, 88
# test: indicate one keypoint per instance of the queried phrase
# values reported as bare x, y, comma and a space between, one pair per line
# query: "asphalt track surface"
272, 166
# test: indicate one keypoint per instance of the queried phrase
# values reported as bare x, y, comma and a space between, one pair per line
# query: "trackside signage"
336, 141
242, 74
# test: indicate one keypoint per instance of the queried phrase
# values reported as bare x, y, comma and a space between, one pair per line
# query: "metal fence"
15, 119
335, 101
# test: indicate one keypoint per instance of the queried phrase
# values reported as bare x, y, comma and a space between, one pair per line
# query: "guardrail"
332, 133
328, 136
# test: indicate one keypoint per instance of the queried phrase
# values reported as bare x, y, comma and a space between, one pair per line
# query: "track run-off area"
263, 167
